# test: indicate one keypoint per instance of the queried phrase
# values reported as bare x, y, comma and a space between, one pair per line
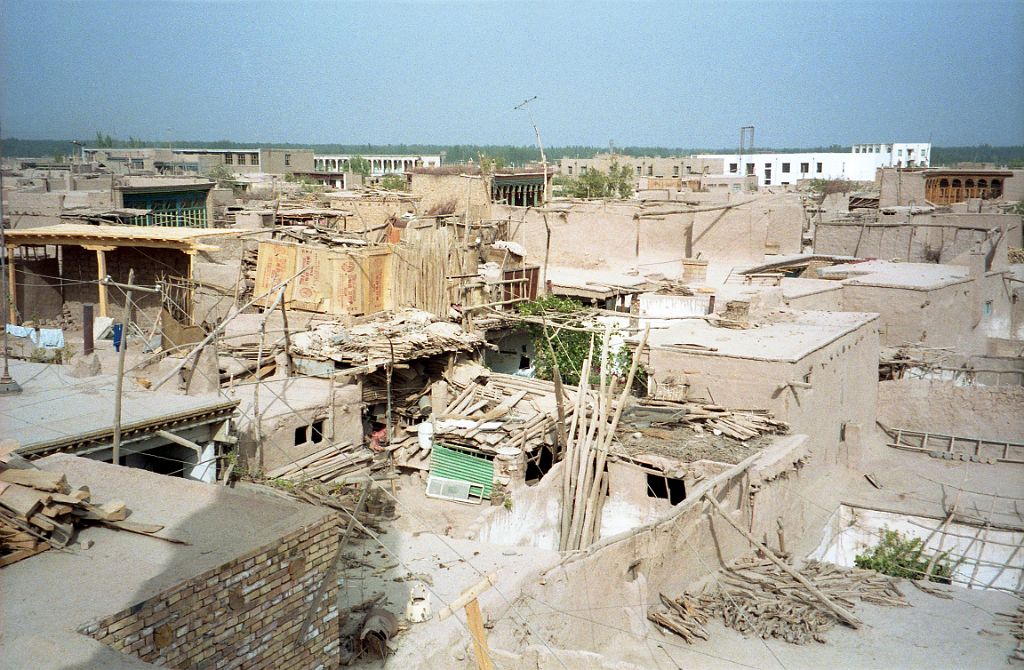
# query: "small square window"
785, 167
733, 167
287, 159
805, 168
300, 435
570, 170
228, 159
819, 168
316, 431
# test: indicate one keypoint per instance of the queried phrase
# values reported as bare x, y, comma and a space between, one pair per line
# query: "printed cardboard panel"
275, 263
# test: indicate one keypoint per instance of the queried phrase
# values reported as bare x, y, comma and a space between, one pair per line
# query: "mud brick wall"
150, 265
243, 614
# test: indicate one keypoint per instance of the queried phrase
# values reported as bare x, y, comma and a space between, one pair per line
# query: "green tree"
359, 165
104, 141
620, 180
394, 182
569, 348
490, 165
222, 175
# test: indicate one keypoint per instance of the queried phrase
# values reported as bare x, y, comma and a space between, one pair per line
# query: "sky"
677, 74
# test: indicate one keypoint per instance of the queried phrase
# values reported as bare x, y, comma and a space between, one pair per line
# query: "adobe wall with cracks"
597, 600
608, 235
843, 375
941, 407
927, 237
296, 403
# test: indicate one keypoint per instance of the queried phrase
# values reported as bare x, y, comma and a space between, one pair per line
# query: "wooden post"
119, 382
474, 619
12, 306
101, 273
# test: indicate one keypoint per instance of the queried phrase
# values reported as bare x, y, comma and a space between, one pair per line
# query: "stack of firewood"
756, 597
328, 464
38, 510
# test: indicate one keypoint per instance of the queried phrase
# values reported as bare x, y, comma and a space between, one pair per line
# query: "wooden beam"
475, 621
469, 594
101, 272
12, 314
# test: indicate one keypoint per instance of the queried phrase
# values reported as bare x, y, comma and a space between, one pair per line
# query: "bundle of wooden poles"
595, 417
758, 598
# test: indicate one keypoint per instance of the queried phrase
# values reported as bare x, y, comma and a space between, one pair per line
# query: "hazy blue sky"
675, 73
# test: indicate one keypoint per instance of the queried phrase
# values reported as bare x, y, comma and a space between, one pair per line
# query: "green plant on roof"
898, 555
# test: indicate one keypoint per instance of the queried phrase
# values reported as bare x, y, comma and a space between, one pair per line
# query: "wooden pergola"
102, 239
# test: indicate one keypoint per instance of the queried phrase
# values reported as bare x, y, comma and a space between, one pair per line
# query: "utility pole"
540, 144
126, 321
7, 384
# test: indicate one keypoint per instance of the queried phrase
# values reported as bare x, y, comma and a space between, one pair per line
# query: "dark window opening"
733, 167
666, 488
805, 167
819, 168
524, 362
785, 167
538, 464
300, 435
316, 431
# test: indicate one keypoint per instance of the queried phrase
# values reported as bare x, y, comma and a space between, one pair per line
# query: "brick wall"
243, 614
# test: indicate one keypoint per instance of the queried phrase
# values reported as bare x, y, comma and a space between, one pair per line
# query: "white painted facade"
380, 165
859, 164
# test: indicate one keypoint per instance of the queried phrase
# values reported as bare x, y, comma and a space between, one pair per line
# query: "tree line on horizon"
1011, 156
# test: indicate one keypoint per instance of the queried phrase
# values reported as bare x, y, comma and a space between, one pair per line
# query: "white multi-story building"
859, 164
380, 165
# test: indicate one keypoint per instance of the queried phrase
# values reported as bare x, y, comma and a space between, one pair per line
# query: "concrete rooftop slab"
55, 408
789, 337
899, 275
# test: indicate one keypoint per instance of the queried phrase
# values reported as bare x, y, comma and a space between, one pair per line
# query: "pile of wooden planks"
38, 510
755, 596
739, 424
589, 436
329, 464
490, 412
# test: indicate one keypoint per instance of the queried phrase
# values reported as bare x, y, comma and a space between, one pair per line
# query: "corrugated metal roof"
457, 464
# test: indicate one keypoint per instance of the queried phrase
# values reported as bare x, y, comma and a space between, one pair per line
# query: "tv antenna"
540, 145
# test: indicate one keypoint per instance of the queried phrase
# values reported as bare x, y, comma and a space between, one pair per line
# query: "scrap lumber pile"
388, 337
754, 596
39, 510
493, 411
595, 416
240, 361
738, 424
331, 463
